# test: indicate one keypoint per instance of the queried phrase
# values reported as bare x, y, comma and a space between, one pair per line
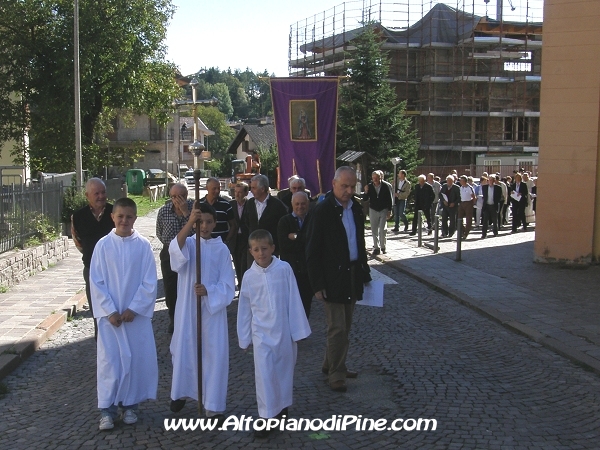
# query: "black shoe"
220, 419
412, 233
177, 405
395, 230
382, 249
283, 412
376, 252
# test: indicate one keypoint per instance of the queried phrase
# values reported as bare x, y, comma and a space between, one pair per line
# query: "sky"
254, 34
236, 34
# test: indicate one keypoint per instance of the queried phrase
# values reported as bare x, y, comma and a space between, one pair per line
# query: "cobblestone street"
421, 356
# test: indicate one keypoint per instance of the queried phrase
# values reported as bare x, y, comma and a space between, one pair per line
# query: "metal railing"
27, 210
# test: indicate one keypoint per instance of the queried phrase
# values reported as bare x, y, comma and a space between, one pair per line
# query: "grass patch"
144, 205
3, 289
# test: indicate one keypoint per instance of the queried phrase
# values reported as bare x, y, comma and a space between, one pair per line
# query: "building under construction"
470, 72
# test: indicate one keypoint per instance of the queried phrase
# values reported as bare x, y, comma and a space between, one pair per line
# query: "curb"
499, 317
23, 349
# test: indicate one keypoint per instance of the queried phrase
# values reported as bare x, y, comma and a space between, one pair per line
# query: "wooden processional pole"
198, 297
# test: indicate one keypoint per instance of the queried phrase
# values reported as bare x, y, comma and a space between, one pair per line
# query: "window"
516, 129
519, 66
491, 165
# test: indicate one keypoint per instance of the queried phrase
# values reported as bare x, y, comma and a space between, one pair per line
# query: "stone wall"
18, 265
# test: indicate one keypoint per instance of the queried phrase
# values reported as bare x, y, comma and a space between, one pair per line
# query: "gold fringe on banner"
319, 175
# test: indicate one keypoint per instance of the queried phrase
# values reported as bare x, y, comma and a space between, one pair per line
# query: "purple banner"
305, 111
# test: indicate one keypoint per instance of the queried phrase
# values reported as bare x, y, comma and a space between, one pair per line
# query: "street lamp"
395, 161
196, 147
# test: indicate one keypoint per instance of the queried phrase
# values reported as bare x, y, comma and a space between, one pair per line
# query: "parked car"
189, 178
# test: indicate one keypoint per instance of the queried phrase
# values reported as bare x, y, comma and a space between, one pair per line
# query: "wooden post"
198, 297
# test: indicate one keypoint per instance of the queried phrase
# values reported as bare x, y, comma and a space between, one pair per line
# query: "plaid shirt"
168, 224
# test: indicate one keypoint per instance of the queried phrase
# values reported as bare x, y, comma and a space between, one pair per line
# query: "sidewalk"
33, 310
555, 306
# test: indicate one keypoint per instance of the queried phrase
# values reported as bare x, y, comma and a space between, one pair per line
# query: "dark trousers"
415, 221
239, 254
449, 215
86, 278
169, 281
518, 211
489, 214
306, 292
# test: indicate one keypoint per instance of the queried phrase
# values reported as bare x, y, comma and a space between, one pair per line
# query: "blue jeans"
113, 410
399, 208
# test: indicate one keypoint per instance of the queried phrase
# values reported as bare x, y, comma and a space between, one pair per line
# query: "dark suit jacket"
383, 200
327, 253
269, 219
292, 251
238, 224
453, 194
497, 195
524, 194
424, 196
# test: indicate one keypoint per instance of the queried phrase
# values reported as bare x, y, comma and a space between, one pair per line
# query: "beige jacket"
403, 193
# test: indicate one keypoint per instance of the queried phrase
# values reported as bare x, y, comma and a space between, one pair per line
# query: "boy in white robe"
123, 288
217, 290
272, 318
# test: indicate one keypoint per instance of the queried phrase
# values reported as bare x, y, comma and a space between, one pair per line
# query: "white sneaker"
106, 423
129, 417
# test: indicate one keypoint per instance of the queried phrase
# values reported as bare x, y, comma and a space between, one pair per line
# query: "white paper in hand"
373, 294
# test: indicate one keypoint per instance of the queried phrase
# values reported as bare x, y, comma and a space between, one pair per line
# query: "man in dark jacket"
88, 225
337, 268
424, 196
291, 234
379, 193
449, 198
262, 211
492, 197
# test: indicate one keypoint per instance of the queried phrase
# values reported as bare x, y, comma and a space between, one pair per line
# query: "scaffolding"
471, 81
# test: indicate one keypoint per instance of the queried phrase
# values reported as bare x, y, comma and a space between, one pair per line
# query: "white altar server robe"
272, 318
218, 277
123, 276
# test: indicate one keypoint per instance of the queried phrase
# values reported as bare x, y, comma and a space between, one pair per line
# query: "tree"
122, 65
371, 119
219, 91
249, 95
215, 121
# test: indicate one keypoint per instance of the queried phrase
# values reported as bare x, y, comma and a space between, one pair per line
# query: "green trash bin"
135, 181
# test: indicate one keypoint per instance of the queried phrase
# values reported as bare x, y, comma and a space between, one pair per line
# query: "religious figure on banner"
303, 129
305, 112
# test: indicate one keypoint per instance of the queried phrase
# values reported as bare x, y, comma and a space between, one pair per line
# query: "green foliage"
269, 161
3, 289
215, 121
144, 205
43, 229
250, 97
371, 118
122, 66
73, 199
220, 165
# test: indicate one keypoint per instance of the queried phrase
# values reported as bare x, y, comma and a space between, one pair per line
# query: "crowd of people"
457, 199
275, 254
